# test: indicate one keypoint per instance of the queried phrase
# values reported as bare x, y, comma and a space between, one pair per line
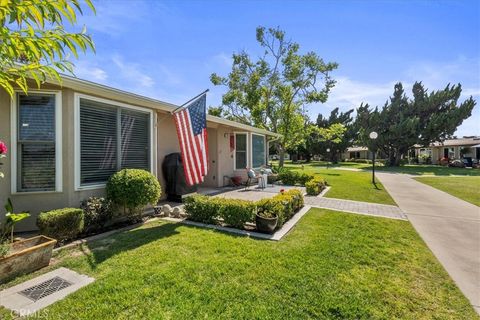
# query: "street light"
328, 151
373, 135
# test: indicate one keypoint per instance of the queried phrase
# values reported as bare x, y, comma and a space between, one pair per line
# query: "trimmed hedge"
210, 210
133, 189
236, 213
291, 178
315, 186
61, 224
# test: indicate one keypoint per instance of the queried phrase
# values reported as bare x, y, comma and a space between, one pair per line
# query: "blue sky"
168, 49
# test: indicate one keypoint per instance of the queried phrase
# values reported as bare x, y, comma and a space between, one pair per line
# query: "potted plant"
18, 257
266, 221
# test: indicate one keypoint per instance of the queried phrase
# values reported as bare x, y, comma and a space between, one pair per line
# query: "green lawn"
331, 266
350, 185
465, 188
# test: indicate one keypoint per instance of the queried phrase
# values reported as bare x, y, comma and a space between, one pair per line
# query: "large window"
111, 138
37, 143
258, 150
240, 151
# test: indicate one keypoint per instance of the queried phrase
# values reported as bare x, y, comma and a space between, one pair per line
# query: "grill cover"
176, 184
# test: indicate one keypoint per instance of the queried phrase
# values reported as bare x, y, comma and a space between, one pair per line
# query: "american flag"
191, 125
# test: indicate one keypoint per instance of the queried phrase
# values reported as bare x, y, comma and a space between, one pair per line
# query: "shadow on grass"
106, 248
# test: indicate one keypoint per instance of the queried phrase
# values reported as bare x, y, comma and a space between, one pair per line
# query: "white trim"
58, 141
77, 96
247, 145
264, 148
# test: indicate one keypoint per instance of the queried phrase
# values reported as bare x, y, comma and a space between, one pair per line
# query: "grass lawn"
331, 266
465, 188
350, 185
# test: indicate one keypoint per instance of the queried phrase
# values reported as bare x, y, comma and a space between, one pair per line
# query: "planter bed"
26, 256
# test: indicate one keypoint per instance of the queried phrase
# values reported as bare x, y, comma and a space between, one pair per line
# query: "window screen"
36, 142
258, 151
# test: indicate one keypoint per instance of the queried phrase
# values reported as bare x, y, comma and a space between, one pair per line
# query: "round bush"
133, 189
61, 224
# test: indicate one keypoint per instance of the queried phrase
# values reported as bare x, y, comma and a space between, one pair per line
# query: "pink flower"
3, 147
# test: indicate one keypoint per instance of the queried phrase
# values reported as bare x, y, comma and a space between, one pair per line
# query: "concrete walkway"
449, 226
358, 207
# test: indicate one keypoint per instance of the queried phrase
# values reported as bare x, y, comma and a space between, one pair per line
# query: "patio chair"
251, 175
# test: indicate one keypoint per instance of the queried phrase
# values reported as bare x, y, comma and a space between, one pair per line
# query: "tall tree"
404, 122
34, 43
273, 91
339, 141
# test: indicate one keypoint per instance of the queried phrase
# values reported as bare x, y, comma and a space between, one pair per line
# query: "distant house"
459, 148
66, 141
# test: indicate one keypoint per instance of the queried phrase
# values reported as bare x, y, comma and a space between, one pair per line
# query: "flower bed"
238, 213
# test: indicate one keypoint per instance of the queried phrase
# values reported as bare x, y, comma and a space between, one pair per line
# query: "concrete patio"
252, 193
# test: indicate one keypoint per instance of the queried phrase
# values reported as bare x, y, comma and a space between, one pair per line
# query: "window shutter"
135, 137
98, 142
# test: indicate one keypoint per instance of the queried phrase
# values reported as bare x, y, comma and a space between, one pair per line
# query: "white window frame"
264, 148
77, 97
58, 141
247, 151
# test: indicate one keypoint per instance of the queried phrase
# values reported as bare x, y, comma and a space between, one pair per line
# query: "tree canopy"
404, 122
34, 43
273, 91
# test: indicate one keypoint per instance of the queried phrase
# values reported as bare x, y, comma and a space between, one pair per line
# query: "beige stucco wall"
165, 142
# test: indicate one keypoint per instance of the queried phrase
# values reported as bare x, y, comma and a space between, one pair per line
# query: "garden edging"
278, 235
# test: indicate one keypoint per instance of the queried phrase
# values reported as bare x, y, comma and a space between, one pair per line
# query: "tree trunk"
281, 154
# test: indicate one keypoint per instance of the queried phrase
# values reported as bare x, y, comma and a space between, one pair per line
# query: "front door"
211, 177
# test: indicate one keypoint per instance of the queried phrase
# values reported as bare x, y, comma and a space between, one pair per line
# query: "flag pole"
194, 98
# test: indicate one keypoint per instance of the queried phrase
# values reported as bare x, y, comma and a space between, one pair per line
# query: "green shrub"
61, 224
236, 212
97, 212
283, 205
303, 178
291, 178
133, 189
288, 177
4, 249
209, 210
315, 186
201, 209
362, 161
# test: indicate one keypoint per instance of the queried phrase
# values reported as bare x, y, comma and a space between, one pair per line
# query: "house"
357, 152
66, 140
458, 148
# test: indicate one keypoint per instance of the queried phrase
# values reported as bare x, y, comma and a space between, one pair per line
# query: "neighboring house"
466, 147
356, 152
66, 141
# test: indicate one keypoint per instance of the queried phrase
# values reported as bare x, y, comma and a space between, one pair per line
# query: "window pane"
98, 142
258, 151
36, 118
241, 142
240, 151
240, 160
37, 167
135, 137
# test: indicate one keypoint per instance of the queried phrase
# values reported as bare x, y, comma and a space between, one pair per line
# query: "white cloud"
86, 69
131, 72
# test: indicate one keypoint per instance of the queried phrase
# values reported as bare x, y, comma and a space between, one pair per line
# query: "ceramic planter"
26, 256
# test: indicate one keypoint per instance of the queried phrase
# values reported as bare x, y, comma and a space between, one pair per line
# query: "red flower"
282, 190
3, 147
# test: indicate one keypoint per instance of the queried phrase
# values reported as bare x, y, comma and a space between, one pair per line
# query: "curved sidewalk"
449, 226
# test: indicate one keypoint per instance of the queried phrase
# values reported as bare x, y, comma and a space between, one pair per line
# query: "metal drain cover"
45, 288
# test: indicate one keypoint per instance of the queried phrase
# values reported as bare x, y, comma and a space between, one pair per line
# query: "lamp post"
373, 135
328, 151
